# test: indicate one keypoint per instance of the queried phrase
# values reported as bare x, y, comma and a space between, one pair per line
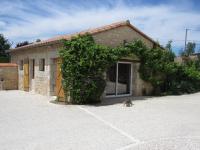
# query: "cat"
128, 103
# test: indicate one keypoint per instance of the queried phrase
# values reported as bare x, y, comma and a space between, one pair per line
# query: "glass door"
111, 80
124, 79
118, 79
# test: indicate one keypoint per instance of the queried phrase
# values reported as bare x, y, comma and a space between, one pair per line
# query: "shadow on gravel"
108, 101
118, 100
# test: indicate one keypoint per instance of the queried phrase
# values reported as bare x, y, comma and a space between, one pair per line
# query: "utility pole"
186, 33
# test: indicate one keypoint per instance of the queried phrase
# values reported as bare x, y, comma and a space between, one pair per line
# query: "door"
31, 74
118, 77
59, 88
53, 70
124, 79
111, 75
26, 75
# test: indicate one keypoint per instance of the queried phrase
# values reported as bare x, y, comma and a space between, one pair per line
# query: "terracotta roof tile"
90, 31
8, 65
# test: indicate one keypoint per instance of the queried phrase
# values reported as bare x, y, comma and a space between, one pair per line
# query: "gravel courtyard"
30, 122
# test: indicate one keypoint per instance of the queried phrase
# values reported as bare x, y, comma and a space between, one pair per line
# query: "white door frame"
116, 82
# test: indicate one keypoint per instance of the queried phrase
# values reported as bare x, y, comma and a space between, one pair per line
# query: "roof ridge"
90, 31
66, 36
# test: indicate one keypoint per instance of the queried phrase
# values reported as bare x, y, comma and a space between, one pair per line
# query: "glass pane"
111, 81
124, 78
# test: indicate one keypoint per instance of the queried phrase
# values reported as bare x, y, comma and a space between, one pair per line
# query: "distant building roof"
8, 65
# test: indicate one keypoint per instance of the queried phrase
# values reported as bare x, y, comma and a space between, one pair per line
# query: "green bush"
166, 76
83, 67
84, 63
4, 59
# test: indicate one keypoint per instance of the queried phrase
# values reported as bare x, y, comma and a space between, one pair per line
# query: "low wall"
8, 76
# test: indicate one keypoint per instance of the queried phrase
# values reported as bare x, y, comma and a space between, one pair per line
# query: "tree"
190, 48
169, 45
22, 44
4, 45
38, 40
181, 52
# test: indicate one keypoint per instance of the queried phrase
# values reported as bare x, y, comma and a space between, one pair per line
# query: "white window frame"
116, 82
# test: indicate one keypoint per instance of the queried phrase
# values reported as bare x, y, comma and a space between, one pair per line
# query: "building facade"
39, 65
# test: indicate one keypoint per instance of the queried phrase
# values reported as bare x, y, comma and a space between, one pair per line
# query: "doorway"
26, 74
118, 79
53, 69
59, 89
32, 74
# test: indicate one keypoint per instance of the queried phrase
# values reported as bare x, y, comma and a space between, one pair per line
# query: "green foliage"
4, 59
186, 79
4, 45
190, 49
155, 63
169, 45
167, 77
84, 64
22, 44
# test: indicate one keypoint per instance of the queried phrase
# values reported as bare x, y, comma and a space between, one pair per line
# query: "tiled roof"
90, 31
8, 65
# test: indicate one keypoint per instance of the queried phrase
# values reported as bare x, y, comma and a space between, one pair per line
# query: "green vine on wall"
84, 63
83, 66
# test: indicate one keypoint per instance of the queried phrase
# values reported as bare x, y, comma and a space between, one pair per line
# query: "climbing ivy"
83, 67
84, 63
166, 76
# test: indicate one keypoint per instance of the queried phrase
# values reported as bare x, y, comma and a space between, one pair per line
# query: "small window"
42, 64
21, 64
33, 69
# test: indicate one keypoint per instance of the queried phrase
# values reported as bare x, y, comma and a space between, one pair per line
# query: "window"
42, 64
21, 63
33, 69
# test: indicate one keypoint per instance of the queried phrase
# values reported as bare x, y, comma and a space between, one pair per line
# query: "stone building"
184, 59
39, 70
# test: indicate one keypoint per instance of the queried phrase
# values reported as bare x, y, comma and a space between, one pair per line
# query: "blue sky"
162, 20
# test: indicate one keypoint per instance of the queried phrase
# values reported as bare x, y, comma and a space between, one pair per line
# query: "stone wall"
140, 87
8, 76
183, 59
42, 79
115, 37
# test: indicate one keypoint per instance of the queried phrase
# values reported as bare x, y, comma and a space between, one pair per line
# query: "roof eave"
92, 32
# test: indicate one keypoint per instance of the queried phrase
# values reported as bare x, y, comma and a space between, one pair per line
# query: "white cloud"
2, 24
161, 22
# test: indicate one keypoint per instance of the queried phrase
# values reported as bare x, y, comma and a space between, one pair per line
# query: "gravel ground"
30, 122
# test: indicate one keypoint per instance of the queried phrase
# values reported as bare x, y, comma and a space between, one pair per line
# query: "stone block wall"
140, 87
115, 37
41, 82
8, 76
